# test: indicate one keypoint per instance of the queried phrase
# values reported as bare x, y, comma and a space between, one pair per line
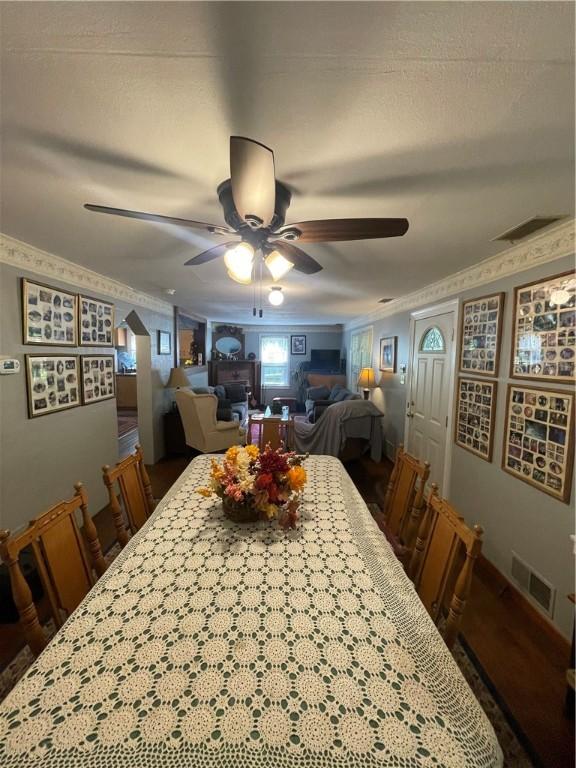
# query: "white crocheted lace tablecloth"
213, 645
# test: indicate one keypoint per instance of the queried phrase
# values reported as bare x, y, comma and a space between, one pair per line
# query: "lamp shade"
367, 380
177, 379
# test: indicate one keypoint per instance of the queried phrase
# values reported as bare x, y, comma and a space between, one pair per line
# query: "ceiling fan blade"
253, 180
210, 255
334, 230
302, 261
214, 229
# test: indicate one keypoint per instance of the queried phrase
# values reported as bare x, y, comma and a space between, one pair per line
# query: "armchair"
202, 429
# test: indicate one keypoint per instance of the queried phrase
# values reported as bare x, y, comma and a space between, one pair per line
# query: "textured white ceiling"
459, 116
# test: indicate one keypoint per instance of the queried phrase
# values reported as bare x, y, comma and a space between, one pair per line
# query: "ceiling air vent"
384, 301
532, 584
528, 228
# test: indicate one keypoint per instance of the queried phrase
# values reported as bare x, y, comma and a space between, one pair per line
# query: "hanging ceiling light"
276, 297
278, 265
239, 262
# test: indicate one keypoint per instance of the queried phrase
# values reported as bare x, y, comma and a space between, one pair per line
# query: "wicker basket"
239, 513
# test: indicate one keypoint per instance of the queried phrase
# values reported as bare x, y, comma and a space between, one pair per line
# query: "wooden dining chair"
135, 492
404, 503
442, 563
59, 553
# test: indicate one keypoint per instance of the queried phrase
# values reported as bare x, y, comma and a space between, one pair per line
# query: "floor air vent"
533, 585
528, 228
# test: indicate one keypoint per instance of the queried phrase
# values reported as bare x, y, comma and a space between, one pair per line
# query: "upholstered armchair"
202, 429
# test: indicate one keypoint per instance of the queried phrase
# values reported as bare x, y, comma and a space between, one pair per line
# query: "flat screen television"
325, 359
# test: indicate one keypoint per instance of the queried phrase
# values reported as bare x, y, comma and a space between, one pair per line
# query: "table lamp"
177, 380
367, 381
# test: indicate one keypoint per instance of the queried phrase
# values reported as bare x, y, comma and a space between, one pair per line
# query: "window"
432, 341
275, 357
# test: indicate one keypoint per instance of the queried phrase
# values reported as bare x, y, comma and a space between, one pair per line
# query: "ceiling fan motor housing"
232, 218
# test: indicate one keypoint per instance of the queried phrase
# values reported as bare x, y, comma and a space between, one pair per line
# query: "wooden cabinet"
126, 396
174, 438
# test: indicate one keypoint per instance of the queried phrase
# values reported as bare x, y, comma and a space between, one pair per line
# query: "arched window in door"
433, 340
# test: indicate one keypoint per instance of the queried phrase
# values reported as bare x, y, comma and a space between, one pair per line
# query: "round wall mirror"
228, 345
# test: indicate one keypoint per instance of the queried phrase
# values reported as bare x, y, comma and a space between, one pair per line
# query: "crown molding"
16, 253
553, 244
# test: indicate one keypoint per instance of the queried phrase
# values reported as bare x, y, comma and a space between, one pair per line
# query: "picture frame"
475, 413
298, 345
164, 343
95, 322
98, 378
538, 441
543, 334
360, 351
388, 354
49, 315
53, 383
481, 323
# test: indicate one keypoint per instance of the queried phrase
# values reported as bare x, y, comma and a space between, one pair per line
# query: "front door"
429, 398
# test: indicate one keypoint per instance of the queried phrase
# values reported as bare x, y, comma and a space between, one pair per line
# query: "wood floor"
523, 659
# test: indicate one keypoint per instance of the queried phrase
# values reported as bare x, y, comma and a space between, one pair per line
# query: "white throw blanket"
350, 418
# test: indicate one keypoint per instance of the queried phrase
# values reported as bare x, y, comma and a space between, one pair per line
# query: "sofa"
318, 399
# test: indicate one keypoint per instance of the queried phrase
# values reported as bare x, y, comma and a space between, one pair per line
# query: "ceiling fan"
255, 205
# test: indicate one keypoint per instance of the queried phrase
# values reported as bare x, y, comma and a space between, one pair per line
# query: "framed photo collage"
538, 439
55, 317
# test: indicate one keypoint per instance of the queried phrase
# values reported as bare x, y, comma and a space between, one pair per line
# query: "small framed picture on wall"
96, 322
97, 378
53, 383
164, 343
298, 345
388, 348
480, 335
49, 315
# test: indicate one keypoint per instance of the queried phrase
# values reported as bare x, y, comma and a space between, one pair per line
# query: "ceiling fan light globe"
276, 297
278, 265
239, 261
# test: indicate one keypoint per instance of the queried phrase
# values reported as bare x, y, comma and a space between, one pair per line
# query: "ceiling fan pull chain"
260, 285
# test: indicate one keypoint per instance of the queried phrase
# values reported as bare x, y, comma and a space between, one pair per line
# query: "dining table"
214, 644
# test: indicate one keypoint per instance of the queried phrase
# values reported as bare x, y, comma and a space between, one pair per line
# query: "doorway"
431, 388
126, 389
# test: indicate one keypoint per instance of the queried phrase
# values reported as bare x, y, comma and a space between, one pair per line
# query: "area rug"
126, 424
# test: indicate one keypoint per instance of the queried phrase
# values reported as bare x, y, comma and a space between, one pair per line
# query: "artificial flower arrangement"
257, 485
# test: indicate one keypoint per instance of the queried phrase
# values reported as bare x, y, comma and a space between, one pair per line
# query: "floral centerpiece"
256, 485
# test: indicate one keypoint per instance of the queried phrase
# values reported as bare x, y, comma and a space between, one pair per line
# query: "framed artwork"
298, 345
388, 348
480, 335
53, 383
544, 330
164, 343
474, 422
49, 315
97, 378
96, 322
539, 438
360, 352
